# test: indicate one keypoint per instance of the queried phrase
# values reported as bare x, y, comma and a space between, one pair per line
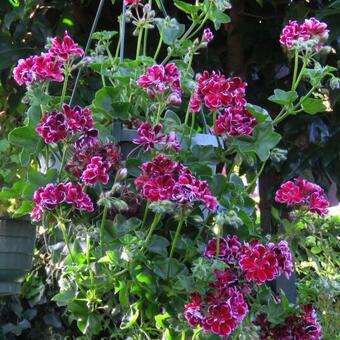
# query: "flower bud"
334, 83
121, 174
278, 155
174, 99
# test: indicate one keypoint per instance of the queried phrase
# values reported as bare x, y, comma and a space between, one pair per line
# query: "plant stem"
193, 114
178, 231
160, 42
63, 159
256, 176
145, 216
139, 42
154, 224
66, 239
88, 247
296, 65
64, 90
159, 112
215, 129
296, 83
102, 229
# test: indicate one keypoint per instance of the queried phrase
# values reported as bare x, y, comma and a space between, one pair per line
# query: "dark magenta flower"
53, 195
259, 264
284, 258
236, 121
65, 48
52, 127
78, 119
96, 171
312, 32
303, 192
216, 92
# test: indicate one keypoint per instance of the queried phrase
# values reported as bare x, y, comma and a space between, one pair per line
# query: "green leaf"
25, 208
162, 267
316, 250
187, 8
158, 245
283, 97
65, 296
259, 113
130, 318
169, 29
108, 102
312, 105
218, 17
171, 121
120, 226
264, 138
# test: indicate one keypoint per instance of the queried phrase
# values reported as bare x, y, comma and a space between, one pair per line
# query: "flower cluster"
161, 79
311, 33
150, 137
301, 192
55, 126
96, 171
164, 179
47, 66
235, 121
216, 92
304, 327
219, 312
249, 264
52, 195
131, 2
89, 147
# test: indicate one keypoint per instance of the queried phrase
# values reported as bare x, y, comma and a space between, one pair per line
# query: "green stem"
64, 90
159, 112
139, 42
119, 39
63, 159
296, 65
193, 114
158, 49
295, 85
215, 129
154, 224
256, 176
175, 240
145, 216
66, 239
102, 229
88, 247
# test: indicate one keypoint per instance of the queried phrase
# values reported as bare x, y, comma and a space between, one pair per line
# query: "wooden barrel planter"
17, 239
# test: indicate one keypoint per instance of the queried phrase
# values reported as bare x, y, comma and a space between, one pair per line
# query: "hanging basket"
17, 239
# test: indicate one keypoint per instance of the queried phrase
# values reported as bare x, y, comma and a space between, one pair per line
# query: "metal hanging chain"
163, 8
93, 28
122, 32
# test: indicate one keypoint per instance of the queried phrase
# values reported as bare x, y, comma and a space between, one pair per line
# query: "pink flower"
259, 264
78, 198
284, 258
236, 121
131, 2
52, 127
150, 137
159, 79
38, 68
230, 249
55, 126
208, 36
290, 194
303, 192
24, 73
65, 49
318, 204
77, 119
174, 99
216, 92
164, 179
312, 31
96, 171
52, 195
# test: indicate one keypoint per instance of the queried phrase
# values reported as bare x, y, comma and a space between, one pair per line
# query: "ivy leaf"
158, 245
264, 138
169, 29
312, 105
259, 113
187, 8
218, 17
283, 97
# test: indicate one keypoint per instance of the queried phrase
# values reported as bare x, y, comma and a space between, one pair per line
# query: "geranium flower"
96, 171
65, 48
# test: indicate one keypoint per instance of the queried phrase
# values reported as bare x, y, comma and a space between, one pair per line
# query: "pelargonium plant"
144, 253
